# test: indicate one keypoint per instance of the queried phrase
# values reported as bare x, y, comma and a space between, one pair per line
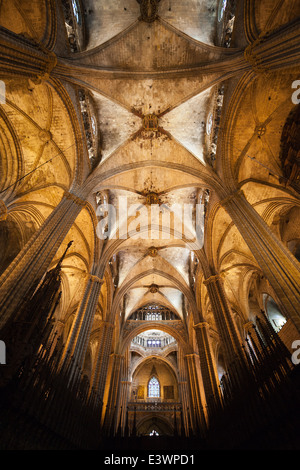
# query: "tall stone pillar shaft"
184, 393
223, 317
277, 263
183, 388
208, 367
125, 385
124, 395
76, 346
113, 393
27, 269
199, 418
103, 354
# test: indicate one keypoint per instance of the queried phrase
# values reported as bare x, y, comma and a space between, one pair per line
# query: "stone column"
234, 352
103, 353
184, 393
184, 398
277, 263
76, 346
113, 394
125, 386
199, 421
27, 269
208, 368
124, 394
223, 317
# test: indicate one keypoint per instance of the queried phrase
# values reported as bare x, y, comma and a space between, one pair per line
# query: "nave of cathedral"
149, 224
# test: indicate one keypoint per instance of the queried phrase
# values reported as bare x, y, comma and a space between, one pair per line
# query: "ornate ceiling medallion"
148, 9
150, 122
152, 251
260, 130
152, 198
153, 289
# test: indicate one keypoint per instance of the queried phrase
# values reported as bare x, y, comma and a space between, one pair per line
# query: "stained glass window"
222, 6
94, 125
153, 387
209, 124
76, 11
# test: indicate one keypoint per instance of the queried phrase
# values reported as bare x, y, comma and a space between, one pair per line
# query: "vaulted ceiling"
186, 66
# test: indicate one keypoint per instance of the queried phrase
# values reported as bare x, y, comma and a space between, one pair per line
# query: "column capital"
94, 278
27, 56
202, 324
248, 325
117, 356
50, 64
76, 199
191, 355
212, 279
251, 56
231, 197
108, 324
274, 50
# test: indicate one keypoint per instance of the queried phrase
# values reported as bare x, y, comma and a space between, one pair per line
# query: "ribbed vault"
152, 146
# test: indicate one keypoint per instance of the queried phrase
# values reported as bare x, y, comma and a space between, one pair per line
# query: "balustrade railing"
154, 405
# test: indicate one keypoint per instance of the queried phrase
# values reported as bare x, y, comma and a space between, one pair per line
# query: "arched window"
153, 387
209, 124
273, 313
